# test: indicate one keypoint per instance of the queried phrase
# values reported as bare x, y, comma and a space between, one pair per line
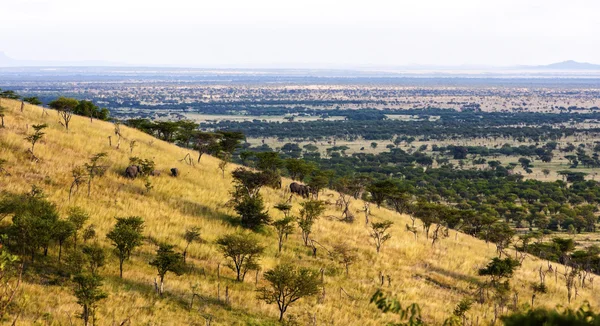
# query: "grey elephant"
132, 171
302, 190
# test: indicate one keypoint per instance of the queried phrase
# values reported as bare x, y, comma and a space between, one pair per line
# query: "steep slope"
435, 277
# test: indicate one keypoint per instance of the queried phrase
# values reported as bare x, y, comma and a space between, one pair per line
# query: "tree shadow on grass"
182, 299
455, 275
198, 210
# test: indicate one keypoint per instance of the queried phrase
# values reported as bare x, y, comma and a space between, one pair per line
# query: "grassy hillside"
435, 277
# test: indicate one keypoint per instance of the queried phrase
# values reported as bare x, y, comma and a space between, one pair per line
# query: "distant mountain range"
569, 65
565, 65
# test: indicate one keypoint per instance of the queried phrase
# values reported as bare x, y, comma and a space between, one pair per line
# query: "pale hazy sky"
309, 32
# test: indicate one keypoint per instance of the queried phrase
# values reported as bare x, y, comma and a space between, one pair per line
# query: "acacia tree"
88, 293
298, 168
36, 136
428, 214
244, 251
61, 232
89, 233
252, 213
33, 221
268, 161
95, 169
205, 142
248, 202
284, 207
379, 233
400, 201
118, 133
77, 216
229, 141
11, 272
343, 188
79, 175
344, 254
225, 158
498, 270
502, 235
65, 107
95, 257
248, 183
381, 190
33, 100
167, 260
310, 212
125, 236
318, 181
191, 235
288, 284
284, 227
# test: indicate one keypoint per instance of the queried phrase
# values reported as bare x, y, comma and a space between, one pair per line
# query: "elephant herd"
299, 189
133, 171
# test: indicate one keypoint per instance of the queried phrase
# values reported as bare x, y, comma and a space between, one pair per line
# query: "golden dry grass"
434, 277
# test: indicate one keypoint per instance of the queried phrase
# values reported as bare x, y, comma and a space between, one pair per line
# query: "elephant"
302, 190
155, 173
174, 172
132, 171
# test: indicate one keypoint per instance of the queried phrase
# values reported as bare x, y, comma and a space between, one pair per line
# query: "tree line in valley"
448, 124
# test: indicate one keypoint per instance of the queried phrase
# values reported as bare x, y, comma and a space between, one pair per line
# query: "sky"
307, 33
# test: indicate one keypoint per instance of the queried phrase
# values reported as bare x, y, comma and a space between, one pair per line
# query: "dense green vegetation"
370, 125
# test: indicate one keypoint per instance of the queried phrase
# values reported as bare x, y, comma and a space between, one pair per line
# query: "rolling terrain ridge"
436, 276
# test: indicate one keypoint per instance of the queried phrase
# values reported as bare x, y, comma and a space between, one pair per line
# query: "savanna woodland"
381, 215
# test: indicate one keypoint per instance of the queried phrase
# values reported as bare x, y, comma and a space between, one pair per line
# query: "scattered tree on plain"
284, 227
33, 100
343, 254
95, 257
36, 136
63, 229
88, 292
167, 260
125, 236
65, 107
288, 284
243, 250
310, 212
95, 169
380, 234
191, 235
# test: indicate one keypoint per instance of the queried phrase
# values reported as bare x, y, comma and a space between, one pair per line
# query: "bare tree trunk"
120, 267
185, 252
59, 250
